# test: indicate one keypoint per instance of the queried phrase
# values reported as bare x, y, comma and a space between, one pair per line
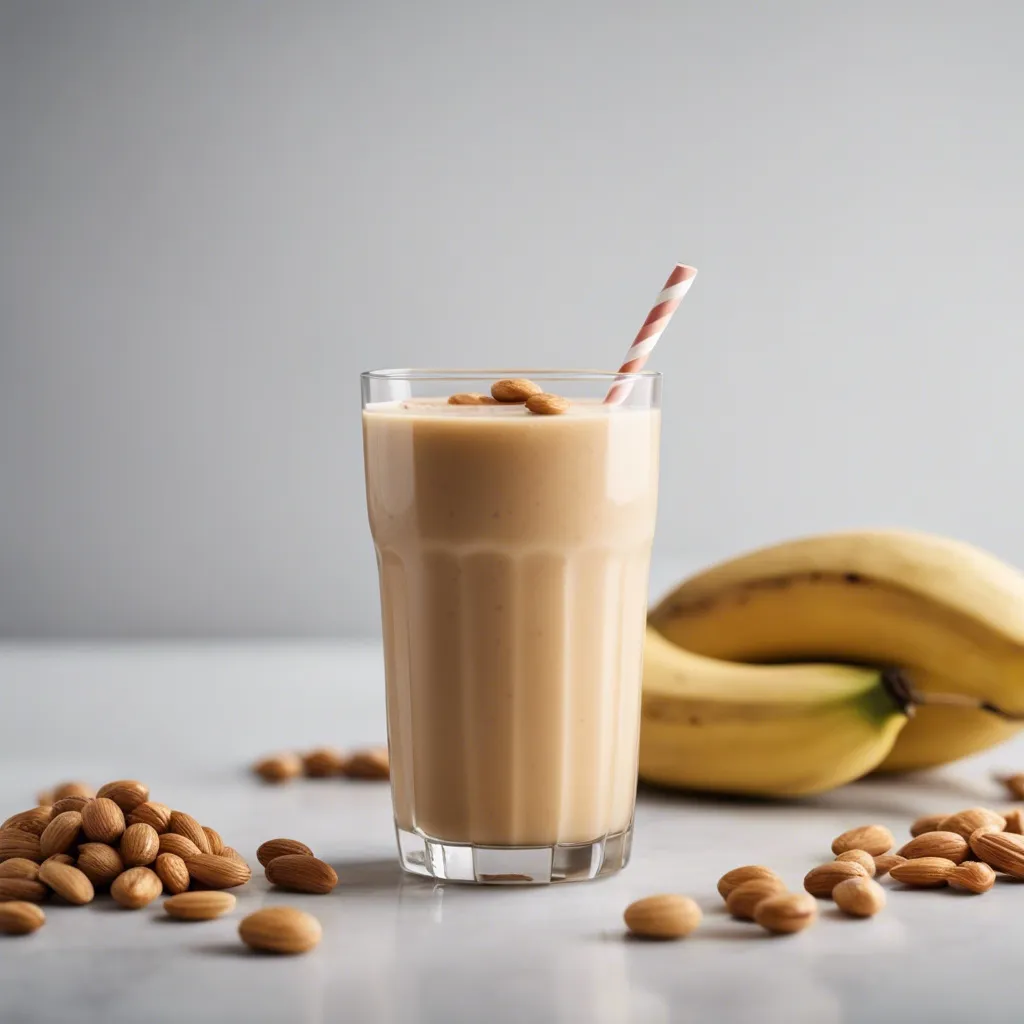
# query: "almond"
322, 762
14, 842
865, 860
663, 917
929, 823
743, 900
34, 820
885, 863
70, 803
66, 881
215, 841
820, 881
45, 798
280, 930
218, 872
972, 876
950, 845
126, 793
859, 897
171, 842
73, 789
230, 851
60, 835
199, 906
873, 839
102, 820
1003, 851
183, 824
100, 863
136, 888
173, 872
514, 389
151, 813
299, 872
26, 889
140, 845
20, 918
60, 858
787, 913
279, 768
1014, 784
731, 879
470, 398
966, 822
1014, 821
923, 872
19, 867
546, 404
279, 847
370, 764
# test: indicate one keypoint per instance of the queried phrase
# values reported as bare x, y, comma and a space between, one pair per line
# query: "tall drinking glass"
513, 551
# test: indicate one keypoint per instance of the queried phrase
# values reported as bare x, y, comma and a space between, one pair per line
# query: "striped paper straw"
677, 285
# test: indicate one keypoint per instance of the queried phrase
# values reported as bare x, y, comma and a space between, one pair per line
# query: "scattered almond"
873, 839
470, 398
929, 823
369, 764
230, 851
743, 900
950, 845
972, 876
1014, 784
126, 793
279, 768
923, 872
218, 872
60, 834
1003, 851
886, 862
151, 813
44, 798
865, 860
26, 889
69, 803
136, 888
102, 820
19, 867
1014, 821
67, 881
173, 872
20, 918
280, 930
73, 789
214, 839
185, 825
663, 917
199, 906
15, 842
140, 845
966, 822
33, 820
787, 913
859, 897
171, 842
820, 881
322, 762
100, 863
731, 879
60, 858
299, 872
546, 404
279, 848
514, 389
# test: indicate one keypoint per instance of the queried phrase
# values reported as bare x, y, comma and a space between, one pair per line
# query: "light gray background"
213, 215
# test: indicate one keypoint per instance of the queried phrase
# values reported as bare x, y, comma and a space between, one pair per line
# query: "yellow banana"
949, 615
763, 730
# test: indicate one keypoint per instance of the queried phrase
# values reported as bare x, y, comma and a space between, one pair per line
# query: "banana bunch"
723, 711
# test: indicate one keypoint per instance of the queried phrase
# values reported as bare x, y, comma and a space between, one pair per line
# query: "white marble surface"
188, 719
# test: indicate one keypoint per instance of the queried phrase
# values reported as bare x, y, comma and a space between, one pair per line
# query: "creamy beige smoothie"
513, 552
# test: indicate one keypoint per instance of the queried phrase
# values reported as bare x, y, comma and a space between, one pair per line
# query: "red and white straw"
677, 285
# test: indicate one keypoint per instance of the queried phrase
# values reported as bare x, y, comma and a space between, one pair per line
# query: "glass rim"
414, 373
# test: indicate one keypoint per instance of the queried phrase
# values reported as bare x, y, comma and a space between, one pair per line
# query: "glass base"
513, 865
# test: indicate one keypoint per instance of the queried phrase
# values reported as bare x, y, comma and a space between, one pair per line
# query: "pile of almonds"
325, 762
963, 851
516, 391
